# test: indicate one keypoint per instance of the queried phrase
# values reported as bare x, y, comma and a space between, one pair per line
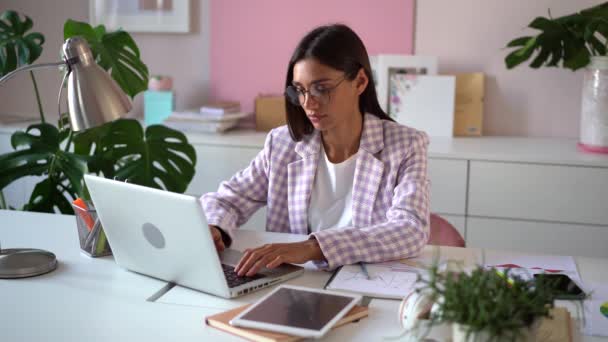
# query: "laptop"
165, 235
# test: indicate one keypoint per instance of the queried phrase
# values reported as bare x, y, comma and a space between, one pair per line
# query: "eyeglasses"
320, 92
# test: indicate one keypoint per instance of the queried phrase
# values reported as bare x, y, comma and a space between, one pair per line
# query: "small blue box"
158, 105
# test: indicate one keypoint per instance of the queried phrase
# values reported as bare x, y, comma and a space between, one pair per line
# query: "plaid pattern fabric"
390, 193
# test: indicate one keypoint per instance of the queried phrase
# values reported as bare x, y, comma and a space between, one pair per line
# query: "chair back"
443, 233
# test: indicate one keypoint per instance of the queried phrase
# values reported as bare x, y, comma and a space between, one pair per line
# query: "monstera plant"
158, 157
571, 39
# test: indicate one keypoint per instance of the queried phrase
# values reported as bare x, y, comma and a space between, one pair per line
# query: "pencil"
364, 270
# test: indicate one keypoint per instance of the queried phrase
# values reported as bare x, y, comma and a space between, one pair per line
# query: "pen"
364, 270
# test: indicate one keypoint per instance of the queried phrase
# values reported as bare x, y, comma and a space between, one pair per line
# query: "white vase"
459, 334
594, 107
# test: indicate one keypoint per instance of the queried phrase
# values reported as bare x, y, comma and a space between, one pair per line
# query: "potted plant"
574, 41
485, 304
158, 157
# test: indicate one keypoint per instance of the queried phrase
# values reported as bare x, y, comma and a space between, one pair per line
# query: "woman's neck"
341, 142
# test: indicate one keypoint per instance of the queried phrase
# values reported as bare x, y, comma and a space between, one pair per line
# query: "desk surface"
89, 299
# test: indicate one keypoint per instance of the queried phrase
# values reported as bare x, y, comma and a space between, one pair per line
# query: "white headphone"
414, 305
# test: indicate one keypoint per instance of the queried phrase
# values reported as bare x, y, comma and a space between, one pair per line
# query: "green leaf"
521, 41
116, 52
17, 47
48, 197
161, 158
569, 40
38, 153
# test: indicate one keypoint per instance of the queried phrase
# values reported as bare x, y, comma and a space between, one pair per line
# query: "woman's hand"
274, 254
217, 238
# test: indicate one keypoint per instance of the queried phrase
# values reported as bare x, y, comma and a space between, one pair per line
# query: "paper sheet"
596, 311
387, 280
548, 263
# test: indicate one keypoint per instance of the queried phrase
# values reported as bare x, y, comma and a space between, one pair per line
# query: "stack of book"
212, 117
219, 109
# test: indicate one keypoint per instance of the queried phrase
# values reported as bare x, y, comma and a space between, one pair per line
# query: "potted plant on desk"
486, 305
158, 157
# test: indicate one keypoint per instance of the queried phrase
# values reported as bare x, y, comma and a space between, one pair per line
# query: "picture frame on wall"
158, 16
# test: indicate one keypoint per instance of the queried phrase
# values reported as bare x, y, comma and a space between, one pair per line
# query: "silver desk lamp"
94, 98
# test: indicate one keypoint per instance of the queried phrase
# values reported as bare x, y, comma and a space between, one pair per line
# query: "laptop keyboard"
234, 280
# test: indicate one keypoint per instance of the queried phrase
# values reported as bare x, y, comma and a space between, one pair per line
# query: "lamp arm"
29, 67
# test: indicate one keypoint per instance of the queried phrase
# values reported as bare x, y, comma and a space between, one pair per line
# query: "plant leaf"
38, 153
17, 47
116, 52
161, 158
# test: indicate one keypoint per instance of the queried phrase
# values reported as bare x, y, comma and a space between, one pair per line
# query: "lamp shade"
94, 98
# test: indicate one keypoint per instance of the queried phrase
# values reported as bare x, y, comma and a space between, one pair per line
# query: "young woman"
341, 171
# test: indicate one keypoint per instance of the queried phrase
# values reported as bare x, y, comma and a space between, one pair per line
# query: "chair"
443, 233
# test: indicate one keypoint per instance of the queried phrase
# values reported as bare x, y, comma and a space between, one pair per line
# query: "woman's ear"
361, 81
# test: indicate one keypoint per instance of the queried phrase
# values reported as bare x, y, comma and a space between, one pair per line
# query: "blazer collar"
372, 138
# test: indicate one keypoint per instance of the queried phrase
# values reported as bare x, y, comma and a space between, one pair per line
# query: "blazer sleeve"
403, 234
242, 195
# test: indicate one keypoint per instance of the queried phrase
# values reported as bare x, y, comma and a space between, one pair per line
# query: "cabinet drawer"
535, 237
539, 192
448, 185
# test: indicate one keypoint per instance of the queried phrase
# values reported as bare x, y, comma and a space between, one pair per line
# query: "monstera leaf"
115, 51
571, 39
17, 47
38, 153
161, 158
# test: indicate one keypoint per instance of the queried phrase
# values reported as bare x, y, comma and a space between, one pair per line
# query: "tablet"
298, 311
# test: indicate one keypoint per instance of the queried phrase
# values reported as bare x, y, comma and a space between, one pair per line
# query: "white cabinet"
217, 163
538, 237
539, 192
448, 185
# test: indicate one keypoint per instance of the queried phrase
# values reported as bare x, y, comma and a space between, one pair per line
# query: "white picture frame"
384, 65
158, 16
424, 102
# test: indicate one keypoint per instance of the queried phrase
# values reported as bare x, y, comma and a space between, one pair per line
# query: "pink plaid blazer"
390, 193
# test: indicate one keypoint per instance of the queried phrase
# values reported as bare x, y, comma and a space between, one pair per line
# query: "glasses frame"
309, 93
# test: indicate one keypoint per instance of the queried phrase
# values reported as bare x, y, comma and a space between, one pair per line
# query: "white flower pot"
594, 107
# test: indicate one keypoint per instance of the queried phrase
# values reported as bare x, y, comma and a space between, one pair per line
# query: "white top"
332, 194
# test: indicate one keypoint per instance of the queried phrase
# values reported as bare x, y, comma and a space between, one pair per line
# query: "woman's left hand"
274, 254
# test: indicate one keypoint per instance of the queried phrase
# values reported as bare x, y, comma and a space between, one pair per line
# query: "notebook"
390, 280
220, 321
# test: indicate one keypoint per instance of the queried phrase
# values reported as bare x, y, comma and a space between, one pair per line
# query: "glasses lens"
293, 95
321, 95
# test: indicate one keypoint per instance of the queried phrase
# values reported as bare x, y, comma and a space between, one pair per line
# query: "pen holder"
93, 241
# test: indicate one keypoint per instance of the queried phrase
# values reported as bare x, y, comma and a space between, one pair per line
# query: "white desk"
94, 300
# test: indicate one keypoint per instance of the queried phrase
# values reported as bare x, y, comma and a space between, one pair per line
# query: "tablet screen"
298, 308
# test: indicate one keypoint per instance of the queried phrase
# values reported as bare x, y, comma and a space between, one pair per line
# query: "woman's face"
337, 102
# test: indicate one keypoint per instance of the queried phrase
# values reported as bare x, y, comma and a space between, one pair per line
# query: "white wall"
470, 35
185, 57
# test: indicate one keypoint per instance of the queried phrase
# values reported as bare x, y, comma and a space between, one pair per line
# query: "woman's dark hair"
338, 47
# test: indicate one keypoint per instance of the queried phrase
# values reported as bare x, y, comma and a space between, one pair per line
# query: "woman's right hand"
217, 238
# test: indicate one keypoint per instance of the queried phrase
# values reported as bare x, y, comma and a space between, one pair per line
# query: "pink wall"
252, 41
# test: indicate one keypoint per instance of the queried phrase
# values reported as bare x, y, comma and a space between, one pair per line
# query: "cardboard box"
468, 113
269, 112
468, 119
